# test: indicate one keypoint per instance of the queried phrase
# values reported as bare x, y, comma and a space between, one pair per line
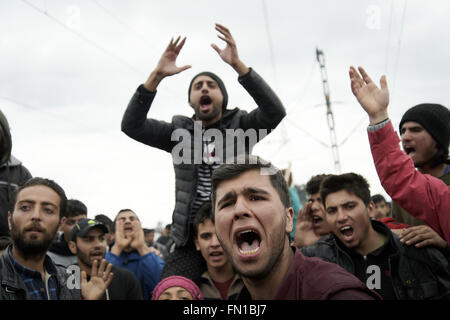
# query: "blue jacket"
147, 268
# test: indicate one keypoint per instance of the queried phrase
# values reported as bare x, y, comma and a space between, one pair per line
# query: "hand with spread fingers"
304, 228
422, 236
167, 64
229, 54
101, 277
374, 100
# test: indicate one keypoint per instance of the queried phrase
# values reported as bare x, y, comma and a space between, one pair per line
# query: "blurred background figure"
12, 173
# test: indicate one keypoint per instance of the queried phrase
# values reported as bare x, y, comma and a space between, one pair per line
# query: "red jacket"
425, 197
391, 223
314, 279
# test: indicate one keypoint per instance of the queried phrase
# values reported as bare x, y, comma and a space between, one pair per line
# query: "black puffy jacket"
158, 134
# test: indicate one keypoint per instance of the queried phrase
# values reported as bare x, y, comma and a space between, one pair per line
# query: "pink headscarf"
177, 281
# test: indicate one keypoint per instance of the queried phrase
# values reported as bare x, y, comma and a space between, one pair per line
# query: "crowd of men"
238, 230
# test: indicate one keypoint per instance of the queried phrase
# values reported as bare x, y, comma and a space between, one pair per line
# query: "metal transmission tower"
330, 117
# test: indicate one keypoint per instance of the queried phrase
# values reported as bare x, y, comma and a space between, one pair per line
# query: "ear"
72, 247
289, 219
9, 219
61, 222
197, 246
371, 209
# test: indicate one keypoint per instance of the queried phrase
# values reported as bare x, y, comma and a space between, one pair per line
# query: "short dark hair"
37, 181
240, 165
377, 198
118, 213
204, 213
75, 208
105, 220
148, 230
313, 185
351, 182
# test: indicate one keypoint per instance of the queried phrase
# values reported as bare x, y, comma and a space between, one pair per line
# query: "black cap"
219, 83
435, 118
83, 226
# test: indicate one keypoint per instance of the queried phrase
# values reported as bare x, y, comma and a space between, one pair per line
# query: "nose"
36, 213
240, 209
406, 135
315, 206
214, 241
204, 88
341, 216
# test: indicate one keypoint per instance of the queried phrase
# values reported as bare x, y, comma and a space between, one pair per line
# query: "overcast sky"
69, 68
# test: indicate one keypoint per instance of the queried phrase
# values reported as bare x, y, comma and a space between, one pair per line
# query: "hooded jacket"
12, 173
158, 134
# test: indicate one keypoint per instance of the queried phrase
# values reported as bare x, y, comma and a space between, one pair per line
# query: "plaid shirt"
37, 288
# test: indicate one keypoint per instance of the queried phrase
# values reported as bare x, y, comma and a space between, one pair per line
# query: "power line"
398, 49
269, 37
389, 37
124, 24
81, 36
40, 110
305, 88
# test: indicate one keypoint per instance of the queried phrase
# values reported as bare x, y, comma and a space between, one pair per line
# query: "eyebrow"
207, 81
245, 191
44, 203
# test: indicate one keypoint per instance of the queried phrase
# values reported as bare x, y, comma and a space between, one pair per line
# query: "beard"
32, 248
208, 116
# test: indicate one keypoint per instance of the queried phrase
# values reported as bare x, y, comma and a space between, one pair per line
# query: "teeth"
345, 228
248, 252
246, 231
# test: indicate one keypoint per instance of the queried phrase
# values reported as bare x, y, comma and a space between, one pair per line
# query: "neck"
373, 241
265, 289
437, 171
221, 274
33, 262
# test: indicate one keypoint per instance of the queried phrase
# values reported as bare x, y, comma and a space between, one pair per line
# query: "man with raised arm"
208, 98
419, 192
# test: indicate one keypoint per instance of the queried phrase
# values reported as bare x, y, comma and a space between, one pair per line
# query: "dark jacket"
158, 134
12, 173
415, 273
13, 288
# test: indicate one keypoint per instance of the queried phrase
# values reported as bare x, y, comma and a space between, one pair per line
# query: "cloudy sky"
68, 69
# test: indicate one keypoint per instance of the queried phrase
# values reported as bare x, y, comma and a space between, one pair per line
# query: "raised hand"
229, 54
167, 64
138, 242
374, 100
304, 228
99, 281
121, 240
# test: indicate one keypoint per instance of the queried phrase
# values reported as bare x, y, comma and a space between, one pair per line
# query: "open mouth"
317, 220
347, 232
205, 102
97, 255
248, 242
409, 151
